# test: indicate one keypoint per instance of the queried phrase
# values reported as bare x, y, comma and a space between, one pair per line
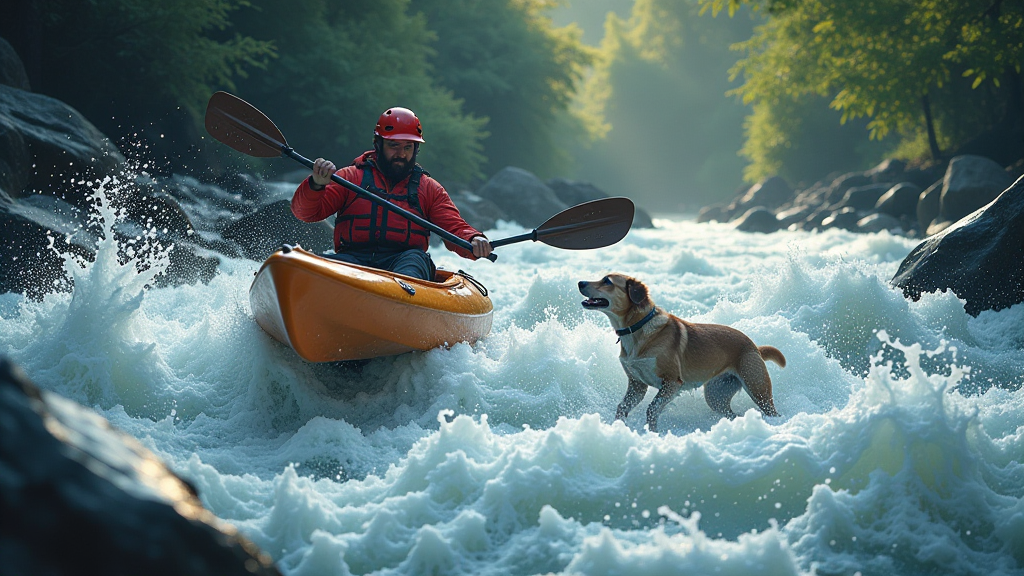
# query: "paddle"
595, 224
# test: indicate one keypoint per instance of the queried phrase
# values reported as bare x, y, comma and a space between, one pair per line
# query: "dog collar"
638, 325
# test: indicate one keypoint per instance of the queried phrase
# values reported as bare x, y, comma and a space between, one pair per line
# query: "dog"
671, 354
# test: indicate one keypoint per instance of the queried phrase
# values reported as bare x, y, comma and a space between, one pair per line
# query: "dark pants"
413, 262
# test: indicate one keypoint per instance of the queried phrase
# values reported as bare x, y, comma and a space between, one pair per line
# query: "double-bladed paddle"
594, 224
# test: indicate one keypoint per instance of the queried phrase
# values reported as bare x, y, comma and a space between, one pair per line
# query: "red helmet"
399, 124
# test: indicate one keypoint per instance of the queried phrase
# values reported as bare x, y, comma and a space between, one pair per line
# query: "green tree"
343, 62
508, 63
127, 64
673, 135
900, 63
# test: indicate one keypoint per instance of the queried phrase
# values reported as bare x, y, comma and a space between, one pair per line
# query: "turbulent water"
898, 450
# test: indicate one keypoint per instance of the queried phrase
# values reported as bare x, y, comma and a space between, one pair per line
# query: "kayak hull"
329, 311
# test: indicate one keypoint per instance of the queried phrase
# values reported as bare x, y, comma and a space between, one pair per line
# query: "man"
368, 234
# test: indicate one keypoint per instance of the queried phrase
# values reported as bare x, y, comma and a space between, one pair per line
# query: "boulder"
845, 218
888, 170
523, 197
573, 192
262, 232
757, 219
478, 212
12, 71
61, 143
878, 222
978, 258
837, 189
863, 197
770, 193
899, 200
928, 205
81, 497
15, 160
712, 213
970, 183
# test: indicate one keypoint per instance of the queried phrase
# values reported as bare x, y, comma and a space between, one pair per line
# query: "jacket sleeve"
440, 210
311, 205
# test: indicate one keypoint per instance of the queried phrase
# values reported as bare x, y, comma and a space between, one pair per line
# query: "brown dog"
671, 354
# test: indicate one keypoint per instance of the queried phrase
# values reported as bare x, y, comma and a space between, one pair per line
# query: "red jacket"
310, 205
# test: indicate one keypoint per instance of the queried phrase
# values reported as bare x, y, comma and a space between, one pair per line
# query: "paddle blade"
241, 126
593, 224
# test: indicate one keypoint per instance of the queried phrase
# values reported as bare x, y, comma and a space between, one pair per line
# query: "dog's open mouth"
595, 303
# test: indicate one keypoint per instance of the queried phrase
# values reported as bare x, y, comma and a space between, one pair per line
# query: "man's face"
398, 157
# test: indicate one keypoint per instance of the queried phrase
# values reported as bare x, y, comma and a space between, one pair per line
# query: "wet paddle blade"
593, 224
241, 126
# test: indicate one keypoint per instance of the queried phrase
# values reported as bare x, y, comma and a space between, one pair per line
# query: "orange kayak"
329, 311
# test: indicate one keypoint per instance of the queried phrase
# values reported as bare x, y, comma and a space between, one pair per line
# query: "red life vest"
364, 224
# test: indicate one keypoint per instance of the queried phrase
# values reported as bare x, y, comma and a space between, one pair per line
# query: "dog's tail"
772, 353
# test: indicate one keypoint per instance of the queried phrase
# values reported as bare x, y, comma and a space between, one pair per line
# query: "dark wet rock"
15, 160
523, 197
61, 143
978, 258
12, 71
888, 170
863, 198
899, 200
478, 212
794, 215
78, 496
970, 183
262, 232
713, 213
878, 222
758, 219
770, 193
928, 205
838, 188
573, 192
845, 218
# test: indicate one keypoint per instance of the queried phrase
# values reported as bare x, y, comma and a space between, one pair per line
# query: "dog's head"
615, 295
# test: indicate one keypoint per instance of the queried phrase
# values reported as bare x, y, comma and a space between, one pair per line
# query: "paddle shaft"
291, 153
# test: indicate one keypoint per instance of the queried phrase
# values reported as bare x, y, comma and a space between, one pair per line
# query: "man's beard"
396, 170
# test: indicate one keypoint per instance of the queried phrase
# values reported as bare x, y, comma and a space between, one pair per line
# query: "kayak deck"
330, 311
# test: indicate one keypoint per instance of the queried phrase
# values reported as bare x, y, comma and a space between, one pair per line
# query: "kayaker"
367, 234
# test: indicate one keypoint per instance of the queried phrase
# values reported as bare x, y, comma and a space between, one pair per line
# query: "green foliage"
672, 135
886, 61
137, 59
341, 64
508, 63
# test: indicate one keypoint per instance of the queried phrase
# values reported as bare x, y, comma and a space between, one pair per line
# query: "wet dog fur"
672, 354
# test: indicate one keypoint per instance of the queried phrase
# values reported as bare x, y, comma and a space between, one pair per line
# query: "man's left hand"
481, 247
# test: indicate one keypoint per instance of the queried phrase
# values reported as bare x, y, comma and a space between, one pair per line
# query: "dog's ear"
637, 291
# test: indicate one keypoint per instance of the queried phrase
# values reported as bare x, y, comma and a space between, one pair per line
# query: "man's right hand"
322, 171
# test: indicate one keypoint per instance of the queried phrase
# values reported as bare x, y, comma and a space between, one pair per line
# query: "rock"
757, 219
863, 197
878, 222
478, 212
845, 218
899, 200
712, 213
889, 170
261, 233
61, 143
837, 189
81, 497
970, 183
15, 160
12, 71
928, 205
770, 193
978, 258
794, 215
523, 197
573, 192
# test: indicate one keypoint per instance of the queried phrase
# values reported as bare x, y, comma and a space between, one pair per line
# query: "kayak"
329, 311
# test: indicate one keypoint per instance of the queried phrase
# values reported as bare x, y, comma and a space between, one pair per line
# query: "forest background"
674, 103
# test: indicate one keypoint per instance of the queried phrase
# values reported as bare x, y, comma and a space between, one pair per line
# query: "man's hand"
481, 247
322, 171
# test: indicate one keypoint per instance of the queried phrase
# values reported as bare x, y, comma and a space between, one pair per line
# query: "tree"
899, 63
508, 63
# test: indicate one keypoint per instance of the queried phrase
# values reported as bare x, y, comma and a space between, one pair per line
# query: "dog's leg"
634, 394
718, 393
665, 395
758, 383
